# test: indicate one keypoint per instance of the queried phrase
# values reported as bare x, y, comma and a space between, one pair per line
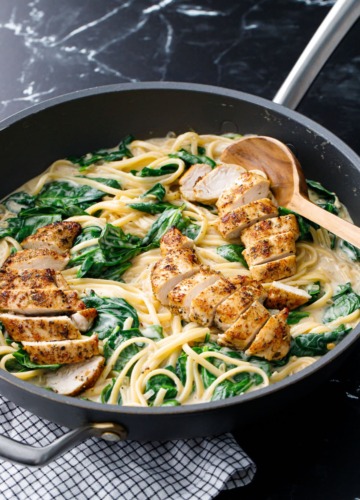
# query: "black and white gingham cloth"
173, 470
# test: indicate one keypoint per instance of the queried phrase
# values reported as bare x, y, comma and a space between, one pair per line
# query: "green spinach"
158, 191
345, 301
316, 344
232, 253
191, 159
295, 316
112, 313
156, 172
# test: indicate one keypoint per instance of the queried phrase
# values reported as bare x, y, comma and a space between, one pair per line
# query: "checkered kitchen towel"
173, 470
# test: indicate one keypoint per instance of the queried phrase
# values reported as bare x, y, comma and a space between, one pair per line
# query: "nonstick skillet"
96, 118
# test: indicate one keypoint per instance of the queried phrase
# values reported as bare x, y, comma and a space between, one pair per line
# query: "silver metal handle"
327, 37
23, 454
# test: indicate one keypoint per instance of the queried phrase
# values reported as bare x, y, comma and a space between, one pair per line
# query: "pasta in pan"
153, 357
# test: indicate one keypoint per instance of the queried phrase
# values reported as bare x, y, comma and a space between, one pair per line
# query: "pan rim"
312, 126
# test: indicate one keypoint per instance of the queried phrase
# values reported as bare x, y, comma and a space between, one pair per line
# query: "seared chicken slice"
170, 270
58, 236
210, 187
281, 295
273, 340
269, 249
232, 223
192, 177
274, 270
84, 319
270, 227
231, 308
174, 240
247, 188
62, 352
33, 278
183, 293
243, 331
37, 301
203, 306
41, 258
71, 380
38, 328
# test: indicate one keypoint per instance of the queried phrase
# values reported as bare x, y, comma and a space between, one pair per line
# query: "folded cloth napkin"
172, 470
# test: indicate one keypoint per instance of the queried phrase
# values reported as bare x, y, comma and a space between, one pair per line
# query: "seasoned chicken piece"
190, 178
183, 293
71, 380
58, 236
174, 240
247, 188
281, 295
232, 223
210, 187
41, 258
203, 306
269, 249
243, 331
62, 352
170, 270
274, 270
273, 340
37, 301
33, 278
84, 319
270, 227
39, 328
231, 308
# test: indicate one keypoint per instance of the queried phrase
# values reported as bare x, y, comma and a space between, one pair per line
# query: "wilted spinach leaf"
160, 381
104, 155
156, 172
19, 201
232, 253
295, 316
151, 207
191, 159
316, 344
351, 251
158, 191
345, 301
112, 313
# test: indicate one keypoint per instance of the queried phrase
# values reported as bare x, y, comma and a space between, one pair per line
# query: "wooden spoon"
287, 181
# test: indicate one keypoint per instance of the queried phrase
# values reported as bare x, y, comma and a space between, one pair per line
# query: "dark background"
311, 449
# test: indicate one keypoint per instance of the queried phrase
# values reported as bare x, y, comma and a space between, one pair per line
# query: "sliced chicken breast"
273, 340
274, 270
247, 188
72, 380
203, 306
58, 236
191, 178
41, 258
230, 309
182, 294
33, 278
281, 295
170, 270
84, 319
269, 249
39, 328
174, 240
243, 331
35, 302
270, 227
234, 222
62, 352
210, 187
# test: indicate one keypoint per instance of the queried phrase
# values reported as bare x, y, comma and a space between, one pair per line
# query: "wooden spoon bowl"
287, 181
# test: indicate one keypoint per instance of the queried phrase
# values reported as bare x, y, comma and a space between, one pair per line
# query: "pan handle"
327, 37
32, 456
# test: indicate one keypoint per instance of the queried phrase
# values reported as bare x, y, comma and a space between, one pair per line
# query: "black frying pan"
86, 120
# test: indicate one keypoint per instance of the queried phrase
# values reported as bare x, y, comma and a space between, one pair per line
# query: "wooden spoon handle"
345, 230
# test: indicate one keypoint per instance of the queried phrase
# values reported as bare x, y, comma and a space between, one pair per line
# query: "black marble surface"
312, 449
